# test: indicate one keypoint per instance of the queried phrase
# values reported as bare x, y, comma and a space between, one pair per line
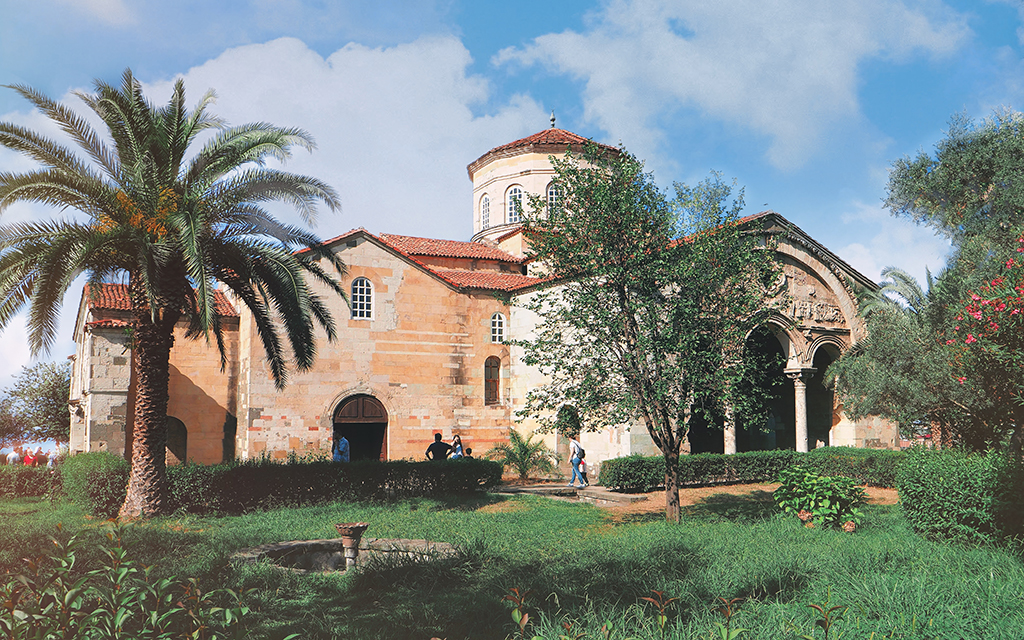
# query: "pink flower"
1015, 312
976, 314
975, 296
1001, 306
950, 341
993, 326
970, 339
961, 380
1009, 263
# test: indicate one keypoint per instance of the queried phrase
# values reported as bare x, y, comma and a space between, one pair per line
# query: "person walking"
576, 454
583, 469
342, 452
438, 449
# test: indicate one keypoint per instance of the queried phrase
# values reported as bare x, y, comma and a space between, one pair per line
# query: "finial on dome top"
552, 118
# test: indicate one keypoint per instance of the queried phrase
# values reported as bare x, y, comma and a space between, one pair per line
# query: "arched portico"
817, 324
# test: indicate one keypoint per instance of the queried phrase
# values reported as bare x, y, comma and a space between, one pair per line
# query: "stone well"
303, 556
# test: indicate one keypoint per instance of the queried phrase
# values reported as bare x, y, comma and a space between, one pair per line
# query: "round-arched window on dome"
514, 204
485, 212
554, 196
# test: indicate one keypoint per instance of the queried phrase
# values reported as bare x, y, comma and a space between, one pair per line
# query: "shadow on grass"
745, 509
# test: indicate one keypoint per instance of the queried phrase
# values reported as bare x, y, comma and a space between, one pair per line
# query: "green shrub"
824, 500
48, 599
263, 484
964, 497
97, 481
644, 473
25, 482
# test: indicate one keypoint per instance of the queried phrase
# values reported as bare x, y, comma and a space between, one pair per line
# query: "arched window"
514, 203
362, 299
554, 196
485, 212
497, 328
492, 378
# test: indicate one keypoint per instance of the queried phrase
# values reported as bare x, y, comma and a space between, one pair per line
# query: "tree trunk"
147, 485
672, 486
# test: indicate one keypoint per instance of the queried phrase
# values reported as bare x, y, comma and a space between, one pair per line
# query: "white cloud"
898, 243
395, 127
112, 12
786, 69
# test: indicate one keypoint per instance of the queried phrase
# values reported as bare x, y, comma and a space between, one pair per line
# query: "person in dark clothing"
439, 449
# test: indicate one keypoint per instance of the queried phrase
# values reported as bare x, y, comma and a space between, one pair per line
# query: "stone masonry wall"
421, 355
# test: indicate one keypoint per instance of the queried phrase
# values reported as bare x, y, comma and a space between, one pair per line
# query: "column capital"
800, 376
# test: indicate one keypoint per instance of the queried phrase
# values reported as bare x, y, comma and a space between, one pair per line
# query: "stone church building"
422, 348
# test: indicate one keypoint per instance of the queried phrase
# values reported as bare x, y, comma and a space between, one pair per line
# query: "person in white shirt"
575, 455
14, 457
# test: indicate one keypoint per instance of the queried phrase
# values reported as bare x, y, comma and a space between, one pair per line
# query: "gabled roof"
490, 280
547, 141
115, 297
411, 249
797, 234
414, 246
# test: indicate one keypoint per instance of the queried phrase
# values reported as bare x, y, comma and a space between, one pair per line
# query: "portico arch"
363, 420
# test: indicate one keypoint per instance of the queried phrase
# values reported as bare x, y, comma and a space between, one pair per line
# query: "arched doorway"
177, 441
821, 409
363, 420
775, 427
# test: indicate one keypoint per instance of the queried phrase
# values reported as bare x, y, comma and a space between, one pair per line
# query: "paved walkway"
558, 491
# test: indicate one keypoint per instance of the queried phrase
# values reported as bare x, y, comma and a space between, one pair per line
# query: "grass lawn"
582, 566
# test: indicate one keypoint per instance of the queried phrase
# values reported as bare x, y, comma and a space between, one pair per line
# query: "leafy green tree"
172, 221
919, 365
523, 455
40, 398
902, 371
651, 301
13, 428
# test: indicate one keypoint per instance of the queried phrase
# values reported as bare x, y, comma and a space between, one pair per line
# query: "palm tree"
523, 455
172, 222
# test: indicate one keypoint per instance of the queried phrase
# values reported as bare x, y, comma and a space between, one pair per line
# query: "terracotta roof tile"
414, 246
109, 324
114, 297
490, 280
547, 141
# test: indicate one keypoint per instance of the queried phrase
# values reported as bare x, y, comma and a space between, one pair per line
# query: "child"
583, 469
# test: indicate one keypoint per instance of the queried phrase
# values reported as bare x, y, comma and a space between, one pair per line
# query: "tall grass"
585, 568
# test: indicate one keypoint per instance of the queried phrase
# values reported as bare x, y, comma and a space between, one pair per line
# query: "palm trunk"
147, 484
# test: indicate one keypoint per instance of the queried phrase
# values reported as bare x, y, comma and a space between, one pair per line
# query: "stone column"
799, 378
729, 432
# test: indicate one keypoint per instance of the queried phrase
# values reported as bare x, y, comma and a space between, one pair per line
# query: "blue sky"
805, 103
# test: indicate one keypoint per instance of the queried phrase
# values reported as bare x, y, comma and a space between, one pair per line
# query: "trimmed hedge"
261, 484
25, 482
96, 481
963, 497
872, 467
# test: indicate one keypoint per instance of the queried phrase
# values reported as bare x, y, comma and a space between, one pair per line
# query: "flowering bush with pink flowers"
988, 339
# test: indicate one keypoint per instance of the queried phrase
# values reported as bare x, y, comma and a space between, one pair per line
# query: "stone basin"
302, 556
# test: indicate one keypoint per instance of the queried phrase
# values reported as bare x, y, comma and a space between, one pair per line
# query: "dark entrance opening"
177, 441
363, 421
821, 409
776, 426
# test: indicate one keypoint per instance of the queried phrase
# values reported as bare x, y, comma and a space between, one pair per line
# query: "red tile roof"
109, 324
490, 280
547, 141
414, 246
114, 297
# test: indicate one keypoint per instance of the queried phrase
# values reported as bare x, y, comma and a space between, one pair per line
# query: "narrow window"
554, 196
497, 328
485, 212
492, 375
515, 203
362, 298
